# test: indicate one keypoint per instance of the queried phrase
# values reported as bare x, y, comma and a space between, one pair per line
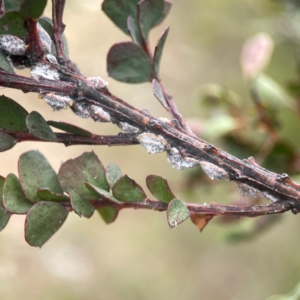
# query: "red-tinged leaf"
39, 127
151, 13
128, 62
13, 23
113, 173
127, 190
158, 51
14, 200
12, 115
36, 173
134, 31
159, 188
256, 54
201, 220
6, 141
108, 214
42, 221
69, 128
81, 206
177, 212
86, 168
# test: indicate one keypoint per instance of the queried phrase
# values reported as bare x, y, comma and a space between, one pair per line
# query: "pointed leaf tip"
201, 220
158, 51
177, 212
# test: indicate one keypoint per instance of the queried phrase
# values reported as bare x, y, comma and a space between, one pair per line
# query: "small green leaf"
2, 180
127, 190
86, 168
81, 206
102, 193
42, 221
134, 30
119, 10
13, 198
33, 9
69, 128
13, 23
272, 93
159, 188
108, 214
39, 127
158, 93
46, 23
127, 62
4, 217
158, 51
6, 141
113, 173
5, 65
36, 173
151, 13
47, 195
219, 125
177, 212
12, 115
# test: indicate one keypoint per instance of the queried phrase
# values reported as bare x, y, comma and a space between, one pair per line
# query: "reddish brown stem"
69, 139
58, 27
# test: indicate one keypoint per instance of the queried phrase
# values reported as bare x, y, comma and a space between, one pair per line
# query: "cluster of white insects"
13, 46
47, 69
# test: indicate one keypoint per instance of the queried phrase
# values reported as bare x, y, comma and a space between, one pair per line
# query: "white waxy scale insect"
98, 114
45, 71
52, 59
81, 109
12, 45
246, 189
153, 143
127, 127
45, 38
97, 82
213, 172
178, 162
57, 102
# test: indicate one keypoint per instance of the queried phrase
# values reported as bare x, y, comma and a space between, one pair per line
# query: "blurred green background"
138, 256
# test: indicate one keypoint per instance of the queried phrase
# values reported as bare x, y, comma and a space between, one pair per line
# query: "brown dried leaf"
200, 220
